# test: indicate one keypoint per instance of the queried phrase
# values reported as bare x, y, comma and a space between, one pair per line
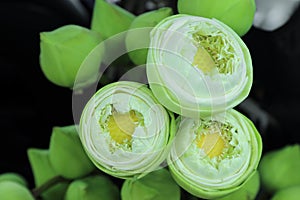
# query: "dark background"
30, 105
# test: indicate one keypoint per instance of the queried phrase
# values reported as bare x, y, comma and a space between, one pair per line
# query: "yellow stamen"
121, 126
212, 144
203, 60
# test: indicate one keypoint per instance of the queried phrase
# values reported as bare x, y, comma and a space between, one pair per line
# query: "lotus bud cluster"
179, 131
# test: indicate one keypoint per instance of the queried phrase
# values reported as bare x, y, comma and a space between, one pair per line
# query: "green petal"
92, 188
43, 171
158, 185
150, 140
139, 36
278, 168
237, 14
67, 155
110, 19
186, 89
215, 177
290, 193
248, 191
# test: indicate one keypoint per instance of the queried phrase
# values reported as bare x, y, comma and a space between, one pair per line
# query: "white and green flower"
125, 131
215, 156
197, 65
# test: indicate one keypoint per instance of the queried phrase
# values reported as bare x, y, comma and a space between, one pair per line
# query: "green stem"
36, 192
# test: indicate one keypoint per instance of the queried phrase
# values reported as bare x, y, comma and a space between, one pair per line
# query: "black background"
30, 105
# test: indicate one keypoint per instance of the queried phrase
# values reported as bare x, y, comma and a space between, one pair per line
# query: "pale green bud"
66, 153
125, 131
290, 193
43, 171
63, 51
138, 36
10, 190
14, 177
92, 188
238, 14
215, 156
279, 168
157, 185
198, 66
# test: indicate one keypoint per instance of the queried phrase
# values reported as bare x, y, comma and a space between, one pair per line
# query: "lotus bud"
237, 14
10, 190
125, 131
214, 156
289, 193
110, 19
158, 185
63, 51
198, 66
138, 36
247, 192
93, 188
278, 167
67, 156
14, 177
43, 171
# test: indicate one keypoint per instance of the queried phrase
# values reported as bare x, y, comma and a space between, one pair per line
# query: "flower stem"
36, 192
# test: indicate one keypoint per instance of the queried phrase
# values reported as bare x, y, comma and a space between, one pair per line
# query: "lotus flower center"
214, 51
203, 61
212, 144
121, 126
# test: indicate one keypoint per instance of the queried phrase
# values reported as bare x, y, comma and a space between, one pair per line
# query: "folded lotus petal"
158, 185
215, 156
125, 131
197, 65
92, 187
